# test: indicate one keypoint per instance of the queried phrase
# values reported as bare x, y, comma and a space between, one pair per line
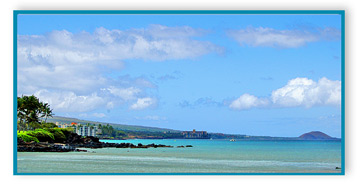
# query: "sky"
264, 75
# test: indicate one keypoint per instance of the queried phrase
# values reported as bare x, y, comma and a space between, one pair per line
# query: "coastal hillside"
316, 135
122, 127
143, 132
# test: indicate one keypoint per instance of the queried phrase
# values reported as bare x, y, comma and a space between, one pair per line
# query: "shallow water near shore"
206, 156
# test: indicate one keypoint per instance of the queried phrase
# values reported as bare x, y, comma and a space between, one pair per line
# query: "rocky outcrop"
74, 142
43, 147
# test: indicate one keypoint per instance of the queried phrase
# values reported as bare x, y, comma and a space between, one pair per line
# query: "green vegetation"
42, 135
30, 110
56, 135
108, 131
27, 138
59, 135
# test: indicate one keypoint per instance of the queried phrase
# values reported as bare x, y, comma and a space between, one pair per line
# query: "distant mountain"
316, 135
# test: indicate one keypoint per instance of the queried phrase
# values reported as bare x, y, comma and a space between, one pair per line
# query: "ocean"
206, 156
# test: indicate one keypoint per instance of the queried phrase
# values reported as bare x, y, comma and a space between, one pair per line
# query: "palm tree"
30, 107
47, 112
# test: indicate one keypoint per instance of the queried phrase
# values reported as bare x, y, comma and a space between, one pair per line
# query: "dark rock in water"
180, 146
189, 146
43, 147
315, 135
75, 141
337, 168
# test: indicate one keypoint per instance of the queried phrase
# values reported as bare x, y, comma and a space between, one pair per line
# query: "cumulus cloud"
69, 101
270, 37
247, 101
308, 93
124, 93
298, 92
143, 103
72, 68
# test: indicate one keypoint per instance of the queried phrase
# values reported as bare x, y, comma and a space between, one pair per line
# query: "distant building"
81, 130
64, 125
195, 134
86, 131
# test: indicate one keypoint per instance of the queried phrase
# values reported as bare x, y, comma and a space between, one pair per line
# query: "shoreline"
87, 142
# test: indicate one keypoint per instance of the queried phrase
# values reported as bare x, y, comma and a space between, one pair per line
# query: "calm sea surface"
206, 156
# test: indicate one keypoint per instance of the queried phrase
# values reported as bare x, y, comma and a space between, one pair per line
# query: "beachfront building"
86, 130
82, 130
195, 134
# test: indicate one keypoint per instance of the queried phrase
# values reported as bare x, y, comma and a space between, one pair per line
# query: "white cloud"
70, 102
124, 93
72, 68
308, 93
247, 101
143, 103
157, 42
298, 92
269, 37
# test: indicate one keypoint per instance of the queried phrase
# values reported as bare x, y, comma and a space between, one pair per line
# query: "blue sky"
274, 75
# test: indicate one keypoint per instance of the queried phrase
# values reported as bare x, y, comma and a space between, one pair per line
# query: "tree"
34, 125
46, 111
29, 109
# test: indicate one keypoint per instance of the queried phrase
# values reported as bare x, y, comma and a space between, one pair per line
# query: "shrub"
27, 138
59, 136
67, 131
42, 135
48, 125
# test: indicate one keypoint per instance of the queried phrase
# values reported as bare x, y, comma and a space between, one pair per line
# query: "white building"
86, 131
81, 130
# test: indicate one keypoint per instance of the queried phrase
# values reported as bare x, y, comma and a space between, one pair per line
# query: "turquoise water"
206, 156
